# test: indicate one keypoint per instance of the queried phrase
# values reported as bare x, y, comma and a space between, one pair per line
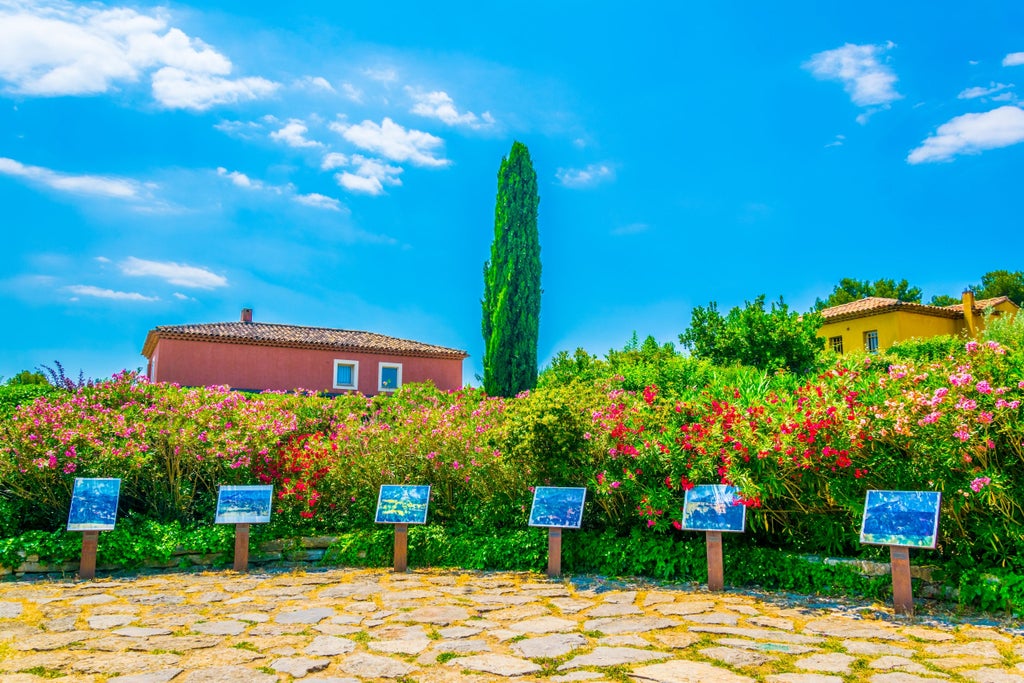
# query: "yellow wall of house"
1005, 308
892, 326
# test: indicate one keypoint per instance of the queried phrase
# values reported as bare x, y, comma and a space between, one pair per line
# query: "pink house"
250, 355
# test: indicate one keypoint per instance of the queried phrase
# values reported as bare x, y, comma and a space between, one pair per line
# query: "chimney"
246, 315
969, 318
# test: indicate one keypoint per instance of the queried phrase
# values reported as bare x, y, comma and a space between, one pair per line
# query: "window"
836, 343
346, 375
389, 376
871, 341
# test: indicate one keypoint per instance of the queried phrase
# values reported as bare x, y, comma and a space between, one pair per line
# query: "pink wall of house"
247, 366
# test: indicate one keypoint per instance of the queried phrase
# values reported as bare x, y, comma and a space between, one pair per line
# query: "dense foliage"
851, 289
511, 305
771, 340
994, 284
637, 428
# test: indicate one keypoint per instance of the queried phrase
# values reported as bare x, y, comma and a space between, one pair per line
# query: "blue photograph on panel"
713, 507
558, 506
94, 504
400, 504
907, 518
244, 504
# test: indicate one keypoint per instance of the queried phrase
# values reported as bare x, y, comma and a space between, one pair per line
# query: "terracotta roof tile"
296, 336
981, 304
875, 304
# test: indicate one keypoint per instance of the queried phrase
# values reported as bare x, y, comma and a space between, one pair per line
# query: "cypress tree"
511, 305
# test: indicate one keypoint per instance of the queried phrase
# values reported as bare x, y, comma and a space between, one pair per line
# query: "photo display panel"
401, 504
244, 504
94, 504
906, 518
714, 507
557, 506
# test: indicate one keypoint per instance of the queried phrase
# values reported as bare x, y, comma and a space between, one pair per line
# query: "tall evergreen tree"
511, 305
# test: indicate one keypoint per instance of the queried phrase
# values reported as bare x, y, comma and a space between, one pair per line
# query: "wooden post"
401, 547
87, 568
554, 551
241, 547
716, 571
902, 595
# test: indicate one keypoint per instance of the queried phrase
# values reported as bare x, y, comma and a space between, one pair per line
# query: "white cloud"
70, 49
384, 75
972, 134
183, 297
93, 185
838, 142
174, 273
100, 293
369, 176
333, 160
352, 92
867, 80
178, 89
439, 105
318, 201
393, 142
294, 135
316, 83
982, 91
239, 179
1014, 59
313, 199
593, 174
246, 130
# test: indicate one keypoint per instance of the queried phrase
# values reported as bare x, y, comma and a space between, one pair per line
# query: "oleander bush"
637, 428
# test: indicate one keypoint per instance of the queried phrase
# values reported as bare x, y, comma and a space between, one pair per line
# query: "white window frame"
836, 343
354, 364
869, 336
380, 376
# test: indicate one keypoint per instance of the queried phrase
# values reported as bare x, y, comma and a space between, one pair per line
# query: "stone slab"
684, 671
611, 656
550, 646
299, 667
499, 665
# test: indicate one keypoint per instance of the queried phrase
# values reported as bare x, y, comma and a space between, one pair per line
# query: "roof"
297, 336
981, 304
873, 305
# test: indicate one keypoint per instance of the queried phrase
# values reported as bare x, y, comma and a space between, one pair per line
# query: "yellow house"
875, 323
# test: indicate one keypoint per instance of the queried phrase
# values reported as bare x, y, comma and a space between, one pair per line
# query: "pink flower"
971, 346
616, 484
983, 387
962, 433
967, 404
980, 483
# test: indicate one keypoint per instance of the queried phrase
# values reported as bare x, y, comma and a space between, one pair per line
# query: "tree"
850, 289
769, 340
944, 300
27, 377
511, 305
1001, 283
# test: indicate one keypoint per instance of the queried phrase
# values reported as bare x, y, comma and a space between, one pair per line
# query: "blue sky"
335, 165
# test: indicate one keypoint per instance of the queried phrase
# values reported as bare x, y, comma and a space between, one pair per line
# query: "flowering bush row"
801, 450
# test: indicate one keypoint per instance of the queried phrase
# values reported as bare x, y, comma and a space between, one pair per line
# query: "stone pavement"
347, 626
